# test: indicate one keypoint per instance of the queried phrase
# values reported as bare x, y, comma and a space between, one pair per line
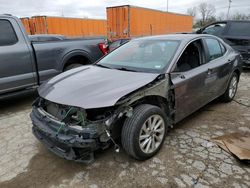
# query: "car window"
7, 33
124, 41
214, 48
215, 29
192, 57
239, 29
142, 55
114, 45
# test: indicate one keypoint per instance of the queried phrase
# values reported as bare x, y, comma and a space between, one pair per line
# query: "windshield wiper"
100, 65
126, 69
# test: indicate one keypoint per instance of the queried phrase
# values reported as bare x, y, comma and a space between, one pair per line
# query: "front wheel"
228, 96
144, 132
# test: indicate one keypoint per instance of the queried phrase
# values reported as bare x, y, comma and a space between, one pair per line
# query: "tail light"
104, 48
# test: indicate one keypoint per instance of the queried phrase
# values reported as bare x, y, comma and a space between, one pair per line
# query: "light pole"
167, 5
229, 5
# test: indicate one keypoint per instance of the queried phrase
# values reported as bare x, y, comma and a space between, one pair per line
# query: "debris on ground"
237, 144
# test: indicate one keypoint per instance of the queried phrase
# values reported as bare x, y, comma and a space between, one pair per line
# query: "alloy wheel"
152, 134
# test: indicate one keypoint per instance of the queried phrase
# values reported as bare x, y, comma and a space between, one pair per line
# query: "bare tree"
192, 11
221, 16
207, 11
240, 16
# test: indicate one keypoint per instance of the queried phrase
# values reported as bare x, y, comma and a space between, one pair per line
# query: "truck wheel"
144, 132
231, 89
72, 66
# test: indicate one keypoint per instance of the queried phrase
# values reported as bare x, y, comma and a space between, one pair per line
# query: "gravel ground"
187, 158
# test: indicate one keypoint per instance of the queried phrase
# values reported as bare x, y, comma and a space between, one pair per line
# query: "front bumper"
68, 143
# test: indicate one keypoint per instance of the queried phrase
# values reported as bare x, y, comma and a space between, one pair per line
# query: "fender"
73, 53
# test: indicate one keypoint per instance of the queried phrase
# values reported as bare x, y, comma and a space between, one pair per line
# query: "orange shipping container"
25, 22
130, 21
71, 27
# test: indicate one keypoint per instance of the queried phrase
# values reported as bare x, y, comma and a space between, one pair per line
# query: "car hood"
93, 87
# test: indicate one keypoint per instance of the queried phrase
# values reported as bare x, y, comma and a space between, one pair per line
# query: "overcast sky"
96, 8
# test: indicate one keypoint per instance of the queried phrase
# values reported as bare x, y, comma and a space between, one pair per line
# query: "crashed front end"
74, 133
69, 132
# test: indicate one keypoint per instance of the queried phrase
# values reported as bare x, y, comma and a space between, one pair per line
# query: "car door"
189, 83
16, 70
219, 66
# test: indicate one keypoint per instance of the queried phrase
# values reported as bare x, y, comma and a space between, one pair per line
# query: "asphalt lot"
186, 160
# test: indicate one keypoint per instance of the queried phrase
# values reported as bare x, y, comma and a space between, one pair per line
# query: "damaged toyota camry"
135, 94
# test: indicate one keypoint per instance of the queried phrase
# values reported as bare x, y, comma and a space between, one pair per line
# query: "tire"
133, 135
228, 96
72, 66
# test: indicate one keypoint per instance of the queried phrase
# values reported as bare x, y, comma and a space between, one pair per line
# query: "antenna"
229, 6
167, 5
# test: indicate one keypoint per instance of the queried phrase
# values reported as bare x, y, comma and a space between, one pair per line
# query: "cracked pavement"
187, 158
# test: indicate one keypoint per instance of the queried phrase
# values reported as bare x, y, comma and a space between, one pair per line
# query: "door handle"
182, 76
230, 60
209, 71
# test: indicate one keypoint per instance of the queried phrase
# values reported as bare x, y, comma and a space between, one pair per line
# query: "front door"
16, 71
189, 80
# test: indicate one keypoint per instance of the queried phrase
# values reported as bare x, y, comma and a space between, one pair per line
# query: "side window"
7, 33
192, 57
214, 48
239, 29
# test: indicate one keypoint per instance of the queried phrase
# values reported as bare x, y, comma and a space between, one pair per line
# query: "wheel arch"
80, 56
237, 71
155, 100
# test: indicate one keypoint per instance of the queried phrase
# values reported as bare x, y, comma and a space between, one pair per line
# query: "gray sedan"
136, 93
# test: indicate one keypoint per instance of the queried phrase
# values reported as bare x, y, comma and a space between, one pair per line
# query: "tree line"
204, 14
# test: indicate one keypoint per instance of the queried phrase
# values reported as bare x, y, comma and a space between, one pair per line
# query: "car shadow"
17, 103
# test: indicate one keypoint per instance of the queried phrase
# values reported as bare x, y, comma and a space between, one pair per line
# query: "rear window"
7, 33
239, 29
215, 29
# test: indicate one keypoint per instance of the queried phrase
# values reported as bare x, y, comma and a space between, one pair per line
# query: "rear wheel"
228, 96
144, 132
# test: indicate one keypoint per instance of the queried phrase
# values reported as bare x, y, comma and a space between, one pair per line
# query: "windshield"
142, 56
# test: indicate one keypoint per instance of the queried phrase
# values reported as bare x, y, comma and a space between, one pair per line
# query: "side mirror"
199, 31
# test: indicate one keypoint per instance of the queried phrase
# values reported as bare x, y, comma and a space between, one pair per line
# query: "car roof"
180, 37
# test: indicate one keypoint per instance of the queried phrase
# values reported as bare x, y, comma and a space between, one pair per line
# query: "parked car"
25, 64
136, 92
235, 33
117, 43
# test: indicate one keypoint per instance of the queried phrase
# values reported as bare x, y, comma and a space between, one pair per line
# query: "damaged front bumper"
71, 143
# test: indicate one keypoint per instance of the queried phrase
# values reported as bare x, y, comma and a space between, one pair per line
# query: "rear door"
16, 71
219, 65
118, 22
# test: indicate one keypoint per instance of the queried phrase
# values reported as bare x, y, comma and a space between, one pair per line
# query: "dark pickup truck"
234, 32
25, 64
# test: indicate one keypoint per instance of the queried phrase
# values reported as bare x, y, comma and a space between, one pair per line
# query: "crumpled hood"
93, 87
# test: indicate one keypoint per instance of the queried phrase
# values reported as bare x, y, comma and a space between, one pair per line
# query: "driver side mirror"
199, 31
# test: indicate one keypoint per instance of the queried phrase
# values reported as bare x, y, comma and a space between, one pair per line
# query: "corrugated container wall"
130, 21
71, 27
26, 25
